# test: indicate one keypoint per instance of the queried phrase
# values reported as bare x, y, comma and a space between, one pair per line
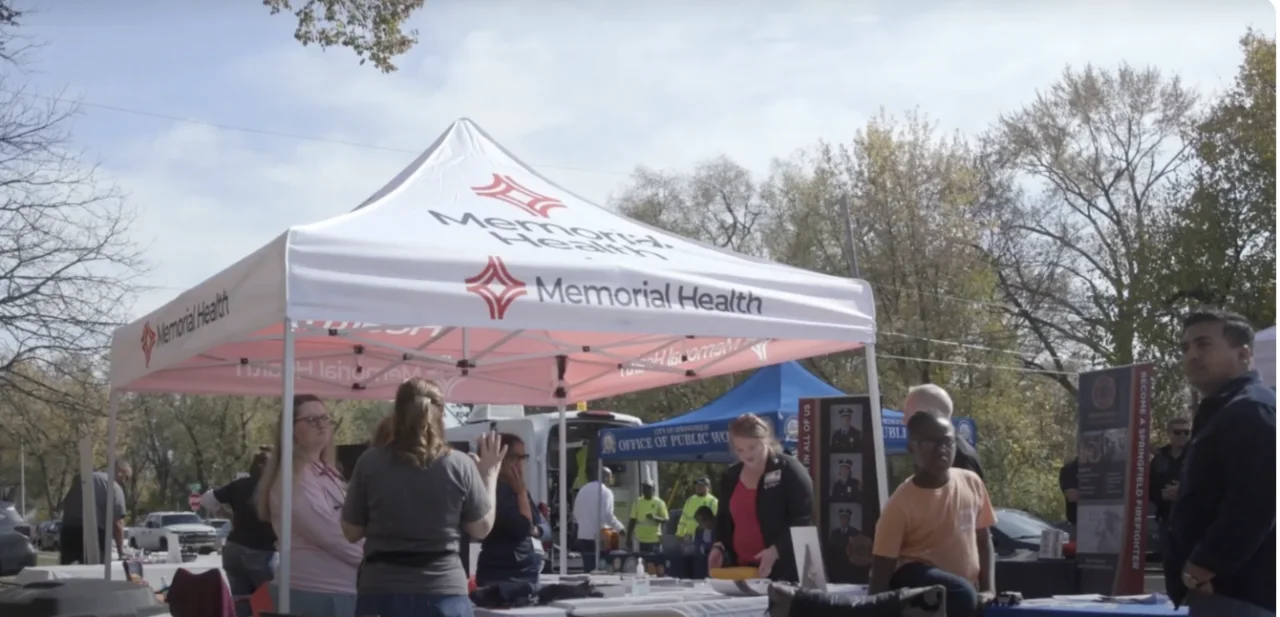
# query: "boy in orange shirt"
935, 529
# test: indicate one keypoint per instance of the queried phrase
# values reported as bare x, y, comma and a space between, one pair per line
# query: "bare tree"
68, 268
718, 203
1098, 152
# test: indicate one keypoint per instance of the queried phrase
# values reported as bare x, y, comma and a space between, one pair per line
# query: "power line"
1016, 369
1019, 354
268, 132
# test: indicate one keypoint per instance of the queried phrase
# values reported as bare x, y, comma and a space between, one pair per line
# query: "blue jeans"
962, 598
412, 605
246, 570
316, 603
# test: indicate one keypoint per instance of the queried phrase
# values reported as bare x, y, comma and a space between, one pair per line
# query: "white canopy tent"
541, 297
1264, 355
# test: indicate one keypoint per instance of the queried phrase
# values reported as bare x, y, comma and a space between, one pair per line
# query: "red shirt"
747, 539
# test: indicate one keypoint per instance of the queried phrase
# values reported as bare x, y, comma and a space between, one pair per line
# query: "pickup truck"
222, 527
192, 532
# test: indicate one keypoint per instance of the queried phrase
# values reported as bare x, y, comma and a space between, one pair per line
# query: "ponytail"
417, 433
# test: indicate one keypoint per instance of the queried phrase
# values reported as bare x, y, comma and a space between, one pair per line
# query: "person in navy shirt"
1222, 528
507, 554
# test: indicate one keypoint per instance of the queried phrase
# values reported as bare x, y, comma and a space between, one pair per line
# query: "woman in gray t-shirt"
407, 500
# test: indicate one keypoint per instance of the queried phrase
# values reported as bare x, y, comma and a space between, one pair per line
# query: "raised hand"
492, 452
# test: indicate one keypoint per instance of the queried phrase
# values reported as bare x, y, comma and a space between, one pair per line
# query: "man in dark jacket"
1166, 471
929, 397
1069, 484
1222, 529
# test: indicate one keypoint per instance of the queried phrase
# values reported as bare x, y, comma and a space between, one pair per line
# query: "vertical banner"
837, 445
1113, 444
808, 418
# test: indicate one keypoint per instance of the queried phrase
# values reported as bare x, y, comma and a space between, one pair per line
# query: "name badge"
773, 478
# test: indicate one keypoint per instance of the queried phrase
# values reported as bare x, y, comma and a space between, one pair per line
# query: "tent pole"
873, 377
877, 425
109, 525
564, 494
286, 469
596, 546
88, 510
562, 365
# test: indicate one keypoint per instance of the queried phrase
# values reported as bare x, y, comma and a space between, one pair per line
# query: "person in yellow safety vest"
580, 478
647, 517
701, 497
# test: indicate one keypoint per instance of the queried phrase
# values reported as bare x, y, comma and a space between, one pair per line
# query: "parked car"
49, 535
191, 530
1016, 530
16, 551
223, 527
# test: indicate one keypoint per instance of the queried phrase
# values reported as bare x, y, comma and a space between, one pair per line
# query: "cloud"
569, 89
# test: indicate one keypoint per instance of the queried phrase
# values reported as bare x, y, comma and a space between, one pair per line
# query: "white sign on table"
813, 572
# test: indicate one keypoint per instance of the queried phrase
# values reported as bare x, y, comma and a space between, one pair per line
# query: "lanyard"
334, 481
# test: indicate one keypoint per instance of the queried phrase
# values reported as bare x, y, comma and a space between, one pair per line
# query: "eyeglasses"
1182, 432
941, 442
315, 421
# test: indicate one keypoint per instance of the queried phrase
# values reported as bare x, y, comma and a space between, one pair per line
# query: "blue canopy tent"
773, 393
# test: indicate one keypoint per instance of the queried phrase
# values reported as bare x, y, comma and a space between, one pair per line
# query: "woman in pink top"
323, 575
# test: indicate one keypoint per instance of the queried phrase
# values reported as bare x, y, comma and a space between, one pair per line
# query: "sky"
223, 131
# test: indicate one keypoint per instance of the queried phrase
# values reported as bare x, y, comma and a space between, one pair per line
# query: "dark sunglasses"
1182, 432
941, 442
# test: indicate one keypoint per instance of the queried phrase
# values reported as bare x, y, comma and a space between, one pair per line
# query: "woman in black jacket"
762, 497
507, 554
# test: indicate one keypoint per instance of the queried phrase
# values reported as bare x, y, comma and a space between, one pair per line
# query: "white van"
540, 433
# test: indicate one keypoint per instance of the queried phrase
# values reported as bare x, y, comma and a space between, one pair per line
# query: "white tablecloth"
662, 601
158, 575
528, 611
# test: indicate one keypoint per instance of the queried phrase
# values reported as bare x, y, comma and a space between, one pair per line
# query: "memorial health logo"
504, 188
497, 287
148, 343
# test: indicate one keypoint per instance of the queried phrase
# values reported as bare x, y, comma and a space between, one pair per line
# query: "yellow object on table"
734, 574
